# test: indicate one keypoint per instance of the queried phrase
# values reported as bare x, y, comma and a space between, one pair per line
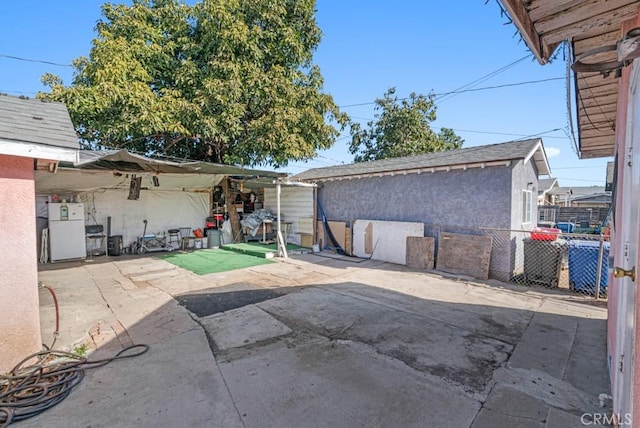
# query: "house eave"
38, 151
539, 159
422, 170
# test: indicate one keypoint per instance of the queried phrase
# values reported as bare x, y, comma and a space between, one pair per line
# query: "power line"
577, 179
17, 58
499, 133
483, 78
581, 167
506, 85
540, 133
5, 91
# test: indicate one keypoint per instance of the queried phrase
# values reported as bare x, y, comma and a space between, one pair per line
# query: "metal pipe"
599, 269
278, 235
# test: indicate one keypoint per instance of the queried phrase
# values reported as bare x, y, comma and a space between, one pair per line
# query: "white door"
626, 241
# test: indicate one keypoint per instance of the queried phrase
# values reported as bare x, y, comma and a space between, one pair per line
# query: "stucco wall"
19, 308
472, 198
503, 268
522, 175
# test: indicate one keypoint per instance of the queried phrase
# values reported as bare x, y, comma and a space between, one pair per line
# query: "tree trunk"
230, 198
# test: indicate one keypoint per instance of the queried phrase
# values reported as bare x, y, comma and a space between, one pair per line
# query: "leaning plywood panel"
420, 252
464, 254
338, 230
384, 240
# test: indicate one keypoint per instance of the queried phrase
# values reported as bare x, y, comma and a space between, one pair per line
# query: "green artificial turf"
257, 249
213, 260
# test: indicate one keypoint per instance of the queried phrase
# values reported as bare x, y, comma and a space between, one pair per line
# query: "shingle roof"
494, 152
577, 190
545, 184
36, 121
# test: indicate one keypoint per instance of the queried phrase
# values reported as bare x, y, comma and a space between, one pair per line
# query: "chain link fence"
574, 262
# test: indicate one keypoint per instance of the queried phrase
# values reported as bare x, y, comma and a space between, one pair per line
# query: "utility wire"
17, 58
506, 85
486, 88
540, 133
482, 79
499, 133
570, 132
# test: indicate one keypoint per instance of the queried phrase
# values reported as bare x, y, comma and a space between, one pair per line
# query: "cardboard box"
306, 240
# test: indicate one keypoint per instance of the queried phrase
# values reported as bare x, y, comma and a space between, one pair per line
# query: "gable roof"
461, 158
546, 184
34, 121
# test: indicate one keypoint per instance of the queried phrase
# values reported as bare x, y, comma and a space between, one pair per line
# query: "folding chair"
174, 237
185, 237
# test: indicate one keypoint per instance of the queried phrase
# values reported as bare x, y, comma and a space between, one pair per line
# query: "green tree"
401, 128
227, 81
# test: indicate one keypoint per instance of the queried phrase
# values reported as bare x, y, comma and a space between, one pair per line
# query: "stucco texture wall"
19, 308
471, 198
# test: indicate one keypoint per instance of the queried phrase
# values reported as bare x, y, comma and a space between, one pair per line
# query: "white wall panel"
295, 203
389, 239
163, 210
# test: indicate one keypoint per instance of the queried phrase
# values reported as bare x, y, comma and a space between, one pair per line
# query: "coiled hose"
55, 304
29, 390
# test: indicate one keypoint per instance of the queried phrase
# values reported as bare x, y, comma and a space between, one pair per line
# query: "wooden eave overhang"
587, 25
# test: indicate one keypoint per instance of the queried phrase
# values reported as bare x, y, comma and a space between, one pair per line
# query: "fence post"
599, 269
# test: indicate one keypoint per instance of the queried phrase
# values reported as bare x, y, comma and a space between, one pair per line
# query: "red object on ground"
545, 233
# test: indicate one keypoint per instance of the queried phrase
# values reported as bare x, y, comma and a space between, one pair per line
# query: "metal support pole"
278, 230
599, 270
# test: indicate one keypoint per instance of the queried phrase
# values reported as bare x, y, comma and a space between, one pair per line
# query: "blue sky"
367, 47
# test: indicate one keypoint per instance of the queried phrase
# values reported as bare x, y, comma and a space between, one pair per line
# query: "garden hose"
26, 391
56, 333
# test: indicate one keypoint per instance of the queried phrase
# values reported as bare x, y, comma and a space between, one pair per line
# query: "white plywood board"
388, 239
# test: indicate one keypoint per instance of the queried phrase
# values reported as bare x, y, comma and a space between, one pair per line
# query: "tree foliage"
228, 81
401, 128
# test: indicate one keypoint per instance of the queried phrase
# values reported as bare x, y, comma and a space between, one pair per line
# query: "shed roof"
125, 161
36, 121
479, 155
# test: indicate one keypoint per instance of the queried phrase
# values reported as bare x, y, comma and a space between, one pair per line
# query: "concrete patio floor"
316, 341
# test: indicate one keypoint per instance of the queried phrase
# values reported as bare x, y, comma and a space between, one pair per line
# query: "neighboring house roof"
577, 191
479, 156
546, 184
37, 129
604, 197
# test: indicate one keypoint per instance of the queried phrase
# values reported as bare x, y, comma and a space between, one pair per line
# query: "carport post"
278, 233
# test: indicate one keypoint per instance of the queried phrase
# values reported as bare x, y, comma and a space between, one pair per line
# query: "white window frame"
527, 206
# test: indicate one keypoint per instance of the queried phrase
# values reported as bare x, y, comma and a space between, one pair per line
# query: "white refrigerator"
66, 237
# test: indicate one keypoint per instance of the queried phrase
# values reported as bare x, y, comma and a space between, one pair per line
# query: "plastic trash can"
566, 227
583, 265
114, 245
213, 236
543, 260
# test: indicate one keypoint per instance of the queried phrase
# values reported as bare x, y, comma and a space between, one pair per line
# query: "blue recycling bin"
566, 227
583, 265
